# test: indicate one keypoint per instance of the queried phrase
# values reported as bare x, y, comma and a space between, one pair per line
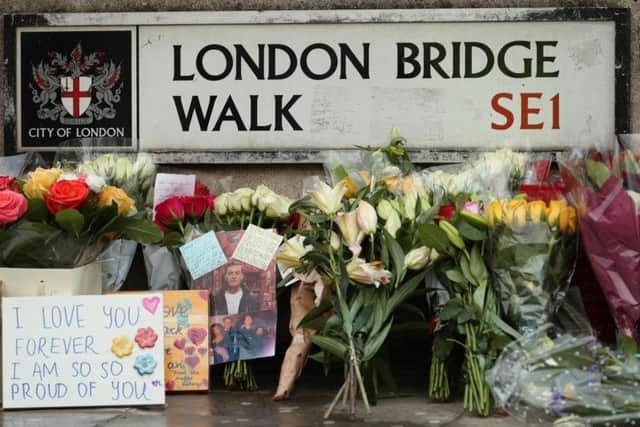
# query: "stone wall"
288, 178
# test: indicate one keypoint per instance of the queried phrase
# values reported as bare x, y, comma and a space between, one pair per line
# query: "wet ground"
222, 408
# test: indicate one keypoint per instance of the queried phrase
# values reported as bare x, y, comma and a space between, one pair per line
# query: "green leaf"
478, 267
433, 237
340, 173
470, 232
331, 345
71, 221
397, 256
442, 346
315, 312
37, 210
598, 172
455, 275
173, 239
451, 309
141, 230
403, 292
479, 296
466, 270
375, 342
503, 326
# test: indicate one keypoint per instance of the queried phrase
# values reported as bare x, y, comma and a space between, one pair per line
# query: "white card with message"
82, 351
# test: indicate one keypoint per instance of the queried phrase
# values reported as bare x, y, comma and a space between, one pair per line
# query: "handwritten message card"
170, 184
257, 247
203, 255
186, 340
82, 351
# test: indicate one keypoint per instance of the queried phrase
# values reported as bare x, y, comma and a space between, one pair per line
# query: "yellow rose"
516, 212
355, 182
537, 210
111, 195
568, 219
121, 346
553, 212
39, 182
495, 212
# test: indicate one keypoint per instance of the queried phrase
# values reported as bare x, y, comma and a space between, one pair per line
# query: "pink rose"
12, 206
8, 183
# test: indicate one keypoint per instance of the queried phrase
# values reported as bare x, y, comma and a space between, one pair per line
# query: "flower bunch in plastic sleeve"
133, 175
532, 254
569, 380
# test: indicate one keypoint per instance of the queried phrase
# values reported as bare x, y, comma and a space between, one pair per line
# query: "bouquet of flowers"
605, 187
184, 218
568, 380
134, 174
57, 220
365, 247
532, 254
471, 314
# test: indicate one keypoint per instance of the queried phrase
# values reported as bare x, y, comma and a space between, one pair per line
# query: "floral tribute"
58, 220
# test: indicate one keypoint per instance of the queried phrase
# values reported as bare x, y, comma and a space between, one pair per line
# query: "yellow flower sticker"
122, 346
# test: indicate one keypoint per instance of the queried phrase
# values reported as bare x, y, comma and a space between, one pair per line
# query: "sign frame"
621, 17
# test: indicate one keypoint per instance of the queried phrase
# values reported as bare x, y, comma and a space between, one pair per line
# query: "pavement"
224, 408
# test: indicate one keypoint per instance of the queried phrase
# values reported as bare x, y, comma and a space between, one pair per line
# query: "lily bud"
418, 258
334, 241
351, 232
327, 199
385, 209
393, 224
366, 217
409, 205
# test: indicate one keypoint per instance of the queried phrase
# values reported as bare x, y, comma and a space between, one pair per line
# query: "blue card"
203, 255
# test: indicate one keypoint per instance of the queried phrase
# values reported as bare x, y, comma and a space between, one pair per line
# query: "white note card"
257, 247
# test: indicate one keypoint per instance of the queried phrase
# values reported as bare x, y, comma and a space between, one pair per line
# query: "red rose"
66, 195
446, 212
293, 220
201, 189
196, 206
169, 212
12, 206
8, 183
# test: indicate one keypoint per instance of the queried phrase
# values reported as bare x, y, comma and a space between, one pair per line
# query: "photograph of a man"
234, 297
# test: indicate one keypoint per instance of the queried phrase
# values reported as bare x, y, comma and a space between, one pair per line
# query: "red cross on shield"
76, 94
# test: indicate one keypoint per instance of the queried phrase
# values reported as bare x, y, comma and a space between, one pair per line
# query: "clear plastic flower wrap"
134, 173
552, 377
532, 255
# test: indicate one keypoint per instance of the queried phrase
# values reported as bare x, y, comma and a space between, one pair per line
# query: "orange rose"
66, 195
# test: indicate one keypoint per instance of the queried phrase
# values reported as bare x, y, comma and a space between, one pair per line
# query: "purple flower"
557, 402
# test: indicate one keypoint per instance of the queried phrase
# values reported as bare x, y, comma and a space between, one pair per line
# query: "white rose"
96, 183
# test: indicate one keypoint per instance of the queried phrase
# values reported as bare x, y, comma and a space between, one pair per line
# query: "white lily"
393, 224
291, 251
352, 235
327, 199
368, 273
366, 217
418, 258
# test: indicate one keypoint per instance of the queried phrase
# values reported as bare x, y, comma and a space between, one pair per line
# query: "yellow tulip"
516, 212
353, 184
553, 212
111, 195
537, 210
39, 182
495, 212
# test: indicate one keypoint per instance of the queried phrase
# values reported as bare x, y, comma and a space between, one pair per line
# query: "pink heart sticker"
192, 361
151, 304
180, 343
189, 350
204, 295
203, 351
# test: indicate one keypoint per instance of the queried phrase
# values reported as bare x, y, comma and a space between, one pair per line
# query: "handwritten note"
257, 247
168, 185
82, 351
203, 255
186, 340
